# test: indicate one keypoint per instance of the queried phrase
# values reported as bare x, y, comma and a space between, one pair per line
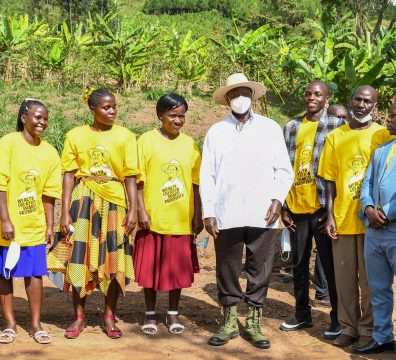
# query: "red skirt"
164, 262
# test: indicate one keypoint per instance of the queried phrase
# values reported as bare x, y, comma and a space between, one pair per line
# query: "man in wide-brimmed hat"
245, 176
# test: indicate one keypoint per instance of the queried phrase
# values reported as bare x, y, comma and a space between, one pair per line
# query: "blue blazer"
380, 184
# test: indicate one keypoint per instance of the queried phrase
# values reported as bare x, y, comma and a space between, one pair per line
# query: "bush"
182, 6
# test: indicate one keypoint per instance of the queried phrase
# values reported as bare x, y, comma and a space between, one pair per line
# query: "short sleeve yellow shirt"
28, 172
303, 197
111, 154
169, 168
344, 160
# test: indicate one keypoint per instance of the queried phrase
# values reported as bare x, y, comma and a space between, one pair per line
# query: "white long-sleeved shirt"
242, 170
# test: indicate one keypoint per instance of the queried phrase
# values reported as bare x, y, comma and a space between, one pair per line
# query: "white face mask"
14, 251
363, 119
285, 244
241, 104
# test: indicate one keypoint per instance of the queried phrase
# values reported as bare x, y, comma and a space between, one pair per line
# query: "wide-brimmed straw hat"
235, 81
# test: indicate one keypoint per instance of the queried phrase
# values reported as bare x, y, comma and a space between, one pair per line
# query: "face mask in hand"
285, 244
363, 119
14, 251
241, 104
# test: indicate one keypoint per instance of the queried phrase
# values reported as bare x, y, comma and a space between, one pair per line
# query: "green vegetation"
59, 47
183, 6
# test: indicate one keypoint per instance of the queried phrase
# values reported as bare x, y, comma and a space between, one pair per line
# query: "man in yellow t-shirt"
304, 211
378, 199
343, 163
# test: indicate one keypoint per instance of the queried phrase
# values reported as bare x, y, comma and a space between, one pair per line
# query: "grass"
135, 111
207, 23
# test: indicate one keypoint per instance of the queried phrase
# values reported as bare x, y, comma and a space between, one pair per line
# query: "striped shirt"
326, 124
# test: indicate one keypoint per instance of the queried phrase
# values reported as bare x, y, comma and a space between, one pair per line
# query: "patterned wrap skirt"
98, 251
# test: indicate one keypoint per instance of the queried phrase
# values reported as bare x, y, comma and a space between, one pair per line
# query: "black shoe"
261, 344
333, 332
374, 347
218, 340
293, 324
287, 278
257, 339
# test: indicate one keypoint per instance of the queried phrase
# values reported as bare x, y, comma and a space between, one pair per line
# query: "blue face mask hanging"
13, 254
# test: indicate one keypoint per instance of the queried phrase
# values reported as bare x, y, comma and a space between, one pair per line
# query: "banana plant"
188, 58
16, 35
76, 38
56, 53
247, 51
241, 49
127, 45
55, 58
344, 66
371, 63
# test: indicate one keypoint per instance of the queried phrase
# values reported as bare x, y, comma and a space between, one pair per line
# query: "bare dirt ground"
200, 314
198, 308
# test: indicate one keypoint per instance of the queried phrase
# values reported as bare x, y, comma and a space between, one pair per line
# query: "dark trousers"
321, 288
260, 248
301, 244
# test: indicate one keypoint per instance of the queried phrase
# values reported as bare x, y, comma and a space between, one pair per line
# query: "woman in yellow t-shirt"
169, 211
99, 162
30, 180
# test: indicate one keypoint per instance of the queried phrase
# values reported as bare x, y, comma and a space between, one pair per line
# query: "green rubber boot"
253, 330
230, 328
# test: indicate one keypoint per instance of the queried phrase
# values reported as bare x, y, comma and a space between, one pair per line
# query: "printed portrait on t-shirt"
173, 188
305, 173
100, 158
27, 200
357, 165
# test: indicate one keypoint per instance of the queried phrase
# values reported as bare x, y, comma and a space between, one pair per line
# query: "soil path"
200, 314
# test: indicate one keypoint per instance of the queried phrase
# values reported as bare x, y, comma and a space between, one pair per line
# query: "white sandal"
175, 328
39, 335
8, 336
149, 329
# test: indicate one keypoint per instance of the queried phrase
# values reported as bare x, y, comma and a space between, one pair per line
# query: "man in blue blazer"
378, 197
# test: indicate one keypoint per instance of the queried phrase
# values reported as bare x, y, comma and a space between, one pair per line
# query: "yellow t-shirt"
391, 154
111, 154
27, 173
303, 197
344, 160
169, 168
